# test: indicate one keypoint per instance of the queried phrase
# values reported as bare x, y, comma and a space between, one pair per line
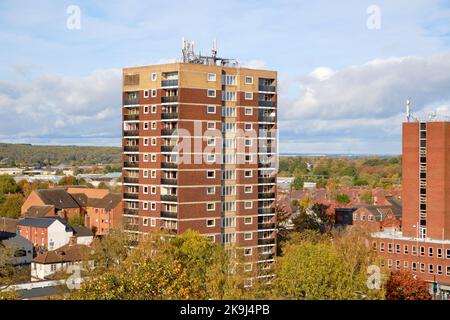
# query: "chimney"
72, 240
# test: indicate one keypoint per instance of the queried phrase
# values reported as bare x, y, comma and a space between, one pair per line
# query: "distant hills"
39, 155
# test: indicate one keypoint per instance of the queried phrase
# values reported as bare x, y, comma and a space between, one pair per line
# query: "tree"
403, 285
343, 198
102, 185
297, 184
313, 218
367, 197
76, 221
12, 206
68, 181
8, 185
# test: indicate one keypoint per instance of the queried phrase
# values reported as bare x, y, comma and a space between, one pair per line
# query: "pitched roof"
8, 224
81, 231
80, 198
108, 202
6, 235
67, 253
43, 222
38, 211
58, 198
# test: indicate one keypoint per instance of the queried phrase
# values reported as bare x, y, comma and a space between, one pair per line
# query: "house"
83, 235
379, 217
47, 264
99, 209
22, 248
45, 233
8, 224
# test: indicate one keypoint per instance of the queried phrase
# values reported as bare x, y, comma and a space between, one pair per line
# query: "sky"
345, 68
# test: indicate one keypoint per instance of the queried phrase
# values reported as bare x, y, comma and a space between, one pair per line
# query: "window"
229, 238
211, 77
405, 249
210, 174
146, 109
211, 142
405, 265
397, 248
414, 250
374, 246
145, 125
430, 252
414, 266
153, 93
389, 263
228, 112
248, 96
248, 173
153, 190
248, 158
210, 190
248, 189
153, 206
145, 189
439, 252
211, 109
228, 95
248, 220
229, 222
53, 267
447, 253
211, 125
153, 157
210, 223
145, 157
153, 222
210, 206
248, 267
370, 218
422, 251
447, 272
146, 94
390, 247
154, 76
397, 264
154, 109
248, 80
145, 222
145, 141
248, 205
247, 126
153, 141
363, 217
439, 269
145, 173
247, 251
248, 236
211, 93
430, 268
228, 80
153, 173
422, 267
248, 111
153, 125
211, 158
382, 247
145, 205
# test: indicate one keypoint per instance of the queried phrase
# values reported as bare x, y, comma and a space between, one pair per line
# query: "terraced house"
199, 152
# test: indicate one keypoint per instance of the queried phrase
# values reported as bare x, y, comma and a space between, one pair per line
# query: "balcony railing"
131, 196
132, 212
131, 148
169, 165
266, 118
131, 133
169, 115
130, 180
169, 214
129, 117
266, 195
266, 256
169, 197
172, 182
168, 148
167, 132
267, 225
266, 211
266, 241
169, 83
266, 180
128, 164
264, 165
266, 88
168, 99
131, 227
127, 102
266, 103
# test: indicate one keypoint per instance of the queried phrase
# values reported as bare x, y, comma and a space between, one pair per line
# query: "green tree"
313, 218
367, 197
102, 185
297, 184
8, 185
12, 206
343, 198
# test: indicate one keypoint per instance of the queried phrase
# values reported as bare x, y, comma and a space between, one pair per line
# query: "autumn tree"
8, 185
12, 205
403, 285
314, 217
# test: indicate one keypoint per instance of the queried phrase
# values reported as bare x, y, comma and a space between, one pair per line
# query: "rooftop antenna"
214, 49
408, 109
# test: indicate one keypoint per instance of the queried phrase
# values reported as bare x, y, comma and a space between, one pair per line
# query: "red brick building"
423, 244
223, 192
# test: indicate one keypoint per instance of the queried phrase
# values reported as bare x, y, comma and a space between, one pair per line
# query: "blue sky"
342, 85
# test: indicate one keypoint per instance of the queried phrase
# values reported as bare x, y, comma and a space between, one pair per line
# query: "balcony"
131, 101
130, 180
131, 133
266, 211
267, 104
131, 227
169, 214
169, 83
169, 99
172, 182
266, 88
266, 241
266, 118
169, 197
266, 195
167, 131
133, 164
132, 212
168, 148
130, 117
267, 225
169, 165
266, 180
264, 165
134, 196
131, 148
169, 115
